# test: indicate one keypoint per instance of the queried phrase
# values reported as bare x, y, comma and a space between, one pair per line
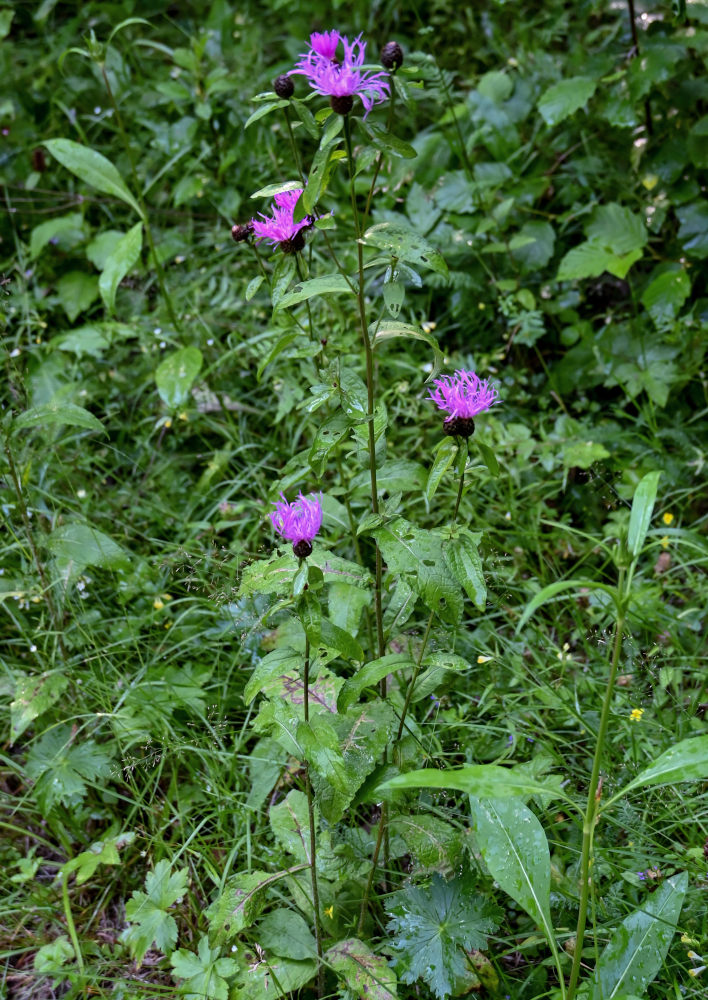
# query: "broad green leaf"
515, 850
284, 932
637, 949
553, 589
488, 457
589, 260
388, 329
390, 143
434, 844
445, 455
404, 244
253, 285
482, 780
394, 293
534, 255
463, 561
665, 295
60, 767
366, 975
125, 256
565, 98
50, 958
336, 638
320, 171
437, 666
75, 546
642, 509
370, 675
327, 437
273, 189
6, 17
175, 375
77, 291
241, 902
583, 454
289, 822
92, 168
33, 696
346, 603
616, 228
281, 977
329, 284
65, 414
278, 661
276, 350
687, 761
66, 230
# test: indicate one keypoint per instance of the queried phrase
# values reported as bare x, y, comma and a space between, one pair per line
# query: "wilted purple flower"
342, 81
298, 521
463, 395
280, 228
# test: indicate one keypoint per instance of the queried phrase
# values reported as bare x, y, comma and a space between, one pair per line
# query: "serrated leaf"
175, 376
204, 973
102, 852
565, 98
618, 229
433, 926
434, 844
92, 168
637, 949
590, 260
366, 975
240, 903
125, 256
665, 295
65, 414
289, 823
146, 912
61, 768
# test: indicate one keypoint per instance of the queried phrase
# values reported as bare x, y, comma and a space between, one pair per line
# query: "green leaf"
565, 98
370, 675
276, 350
462, 559
482, 780
77, 291
642, 509
240, 904
433, 926
51, 957
366, 975
389, 143
33, 696
336, 638
175, 375
289, 822
664, 296
328, 284
583, 454
64, 414
404, 244
281, 977
686, 761
445, 454
434, 844
265, 109
6, 17
125, 256
102, 852
280, 188
204, 973
637, 949
146, 912
66, 230
75, 546
589, 260
616, 228
92, 168
320, 171
515, 850
327, 437
557, 588
285, 933
253, 285
387, 329
61, 769
488, 457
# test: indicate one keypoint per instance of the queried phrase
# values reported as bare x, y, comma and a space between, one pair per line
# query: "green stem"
414, 678
461, 486
296, 155
594, 791
313, 843
138, 191
379, 158
71, 927
369, 394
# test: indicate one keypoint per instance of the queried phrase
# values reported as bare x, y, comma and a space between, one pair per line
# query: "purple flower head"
346, 80
298, 521
462, 395
325, 44
280, 228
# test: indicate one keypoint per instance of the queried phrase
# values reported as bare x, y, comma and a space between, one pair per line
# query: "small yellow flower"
166, 597
428, 326
665, 542
650, 181
329, 912
667, 518
168, 625
157, 604
693, 955
483, 659
168, 423
183, 415
481, 305
686, 938
697, 972
636, 714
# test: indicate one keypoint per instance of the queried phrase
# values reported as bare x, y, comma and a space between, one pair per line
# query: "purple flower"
342, 81
298, 521
280, 228
463, 395
325, 44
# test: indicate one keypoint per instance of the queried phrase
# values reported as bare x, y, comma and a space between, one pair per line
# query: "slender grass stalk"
313, 842
70, 925
594, 792
141, 201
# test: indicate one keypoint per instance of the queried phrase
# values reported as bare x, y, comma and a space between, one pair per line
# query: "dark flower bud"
39, 162
295, 244
239, 234
284, 86
459, 426
342, 105
392, 55
303, 548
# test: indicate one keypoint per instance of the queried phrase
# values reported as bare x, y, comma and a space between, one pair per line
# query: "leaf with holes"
404, 244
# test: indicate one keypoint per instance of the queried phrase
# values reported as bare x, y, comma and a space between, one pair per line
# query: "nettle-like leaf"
147, 913
61, 768
433, 926
205, 974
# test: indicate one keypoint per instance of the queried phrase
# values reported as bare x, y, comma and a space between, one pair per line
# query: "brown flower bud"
283, 86
392, 55
239, 234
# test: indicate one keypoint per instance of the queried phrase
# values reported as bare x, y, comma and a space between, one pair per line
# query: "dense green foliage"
511, 744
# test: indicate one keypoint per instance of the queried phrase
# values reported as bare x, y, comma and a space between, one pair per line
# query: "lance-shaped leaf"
687, 761
92, 168
642, 508
482, 780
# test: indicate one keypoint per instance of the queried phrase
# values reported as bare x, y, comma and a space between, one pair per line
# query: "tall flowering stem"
313, 840
368, 350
